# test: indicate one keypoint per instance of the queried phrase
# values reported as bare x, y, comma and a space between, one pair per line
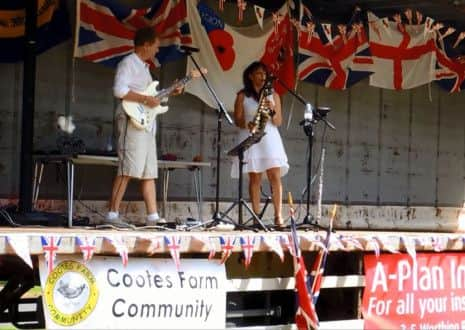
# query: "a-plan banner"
147, 294
401, 293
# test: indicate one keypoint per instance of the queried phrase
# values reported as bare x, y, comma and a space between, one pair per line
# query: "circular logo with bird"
71, 293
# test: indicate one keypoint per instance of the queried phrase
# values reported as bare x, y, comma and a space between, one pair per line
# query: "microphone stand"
312, 116
216, 219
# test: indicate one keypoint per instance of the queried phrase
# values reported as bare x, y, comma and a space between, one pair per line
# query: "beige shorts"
137, 149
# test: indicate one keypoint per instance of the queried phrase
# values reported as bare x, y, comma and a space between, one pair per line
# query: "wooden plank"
329, 325
288, 283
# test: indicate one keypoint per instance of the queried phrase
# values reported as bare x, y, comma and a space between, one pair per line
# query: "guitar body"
141, 115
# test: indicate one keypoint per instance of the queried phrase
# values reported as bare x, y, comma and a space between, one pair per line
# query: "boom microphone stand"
311, 117
216, 219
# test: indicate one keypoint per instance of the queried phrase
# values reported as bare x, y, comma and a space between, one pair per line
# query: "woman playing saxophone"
267, 156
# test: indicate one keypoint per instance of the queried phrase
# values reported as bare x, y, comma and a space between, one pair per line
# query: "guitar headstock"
196, 73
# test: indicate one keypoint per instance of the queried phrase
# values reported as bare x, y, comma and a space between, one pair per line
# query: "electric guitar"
141, 115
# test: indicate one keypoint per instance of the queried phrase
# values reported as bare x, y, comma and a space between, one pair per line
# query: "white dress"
267, 153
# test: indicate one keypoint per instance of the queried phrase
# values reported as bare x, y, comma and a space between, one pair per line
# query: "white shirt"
132, 74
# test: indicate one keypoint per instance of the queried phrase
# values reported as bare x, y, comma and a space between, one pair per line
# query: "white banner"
146, 294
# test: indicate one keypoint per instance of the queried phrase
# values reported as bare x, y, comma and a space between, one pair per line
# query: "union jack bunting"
87, 247
155, 244
20, 244
410, 247
247, 244
211, 248
450, 69
227, 246
287, 242
274, 244
173, 243
106, 29
374, 243
50, 247
121, 248
338, 64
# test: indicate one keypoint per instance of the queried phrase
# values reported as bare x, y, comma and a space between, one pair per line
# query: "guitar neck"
167, 91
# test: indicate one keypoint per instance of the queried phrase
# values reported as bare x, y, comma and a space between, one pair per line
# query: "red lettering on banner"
426, 294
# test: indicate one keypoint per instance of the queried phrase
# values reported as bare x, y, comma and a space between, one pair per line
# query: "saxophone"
263, 112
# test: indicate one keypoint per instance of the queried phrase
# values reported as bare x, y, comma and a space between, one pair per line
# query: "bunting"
50, 247
87, 246
247, 244
173, 244
120, 247
227, 246
20, 244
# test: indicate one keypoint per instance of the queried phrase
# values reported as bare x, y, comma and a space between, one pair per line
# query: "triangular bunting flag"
121, 248
211, 248
247, 244
20, 244
173, 243
87, 246
274, 244
227, 246
327, 31
259, 14
410, 246
155, 244
50, 247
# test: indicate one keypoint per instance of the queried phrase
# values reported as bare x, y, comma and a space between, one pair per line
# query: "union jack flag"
50, 247
106, 29
338, 63
87, 247
173, 243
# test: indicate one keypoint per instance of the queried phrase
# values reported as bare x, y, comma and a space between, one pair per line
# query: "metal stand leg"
70, 188
166, 179
198, 191
38, 171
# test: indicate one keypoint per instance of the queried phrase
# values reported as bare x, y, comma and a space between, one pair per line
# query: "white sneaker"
154, 219
112, 218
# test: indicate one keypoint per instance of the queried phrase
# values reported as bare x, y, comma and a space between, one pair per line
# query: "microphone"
308, 115
188, 49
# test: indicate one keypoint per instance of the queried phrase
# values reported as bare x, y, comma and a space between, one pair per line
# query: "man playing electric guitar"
136, 147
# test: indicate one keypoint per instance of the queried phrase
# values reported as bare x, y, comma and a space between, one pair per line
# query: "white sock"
112, 215
153, 216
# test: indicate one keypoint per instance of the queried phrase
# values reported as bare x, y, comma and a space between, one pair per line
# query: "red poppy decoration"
223, 45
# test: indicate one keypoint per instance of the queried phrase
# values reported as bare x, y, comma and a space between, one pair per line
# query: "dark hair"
143, 35
248, 89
